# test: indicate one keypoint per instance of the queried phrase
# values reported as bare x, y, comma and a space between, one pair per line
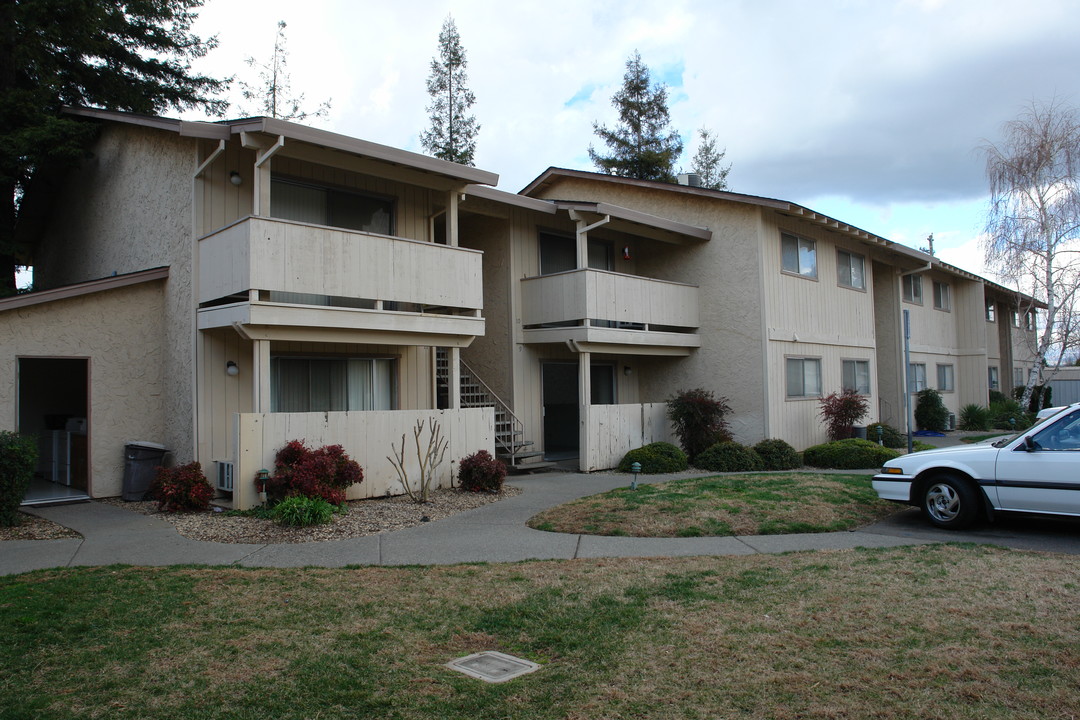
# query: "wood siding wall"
601, 295
368, 438
615, 430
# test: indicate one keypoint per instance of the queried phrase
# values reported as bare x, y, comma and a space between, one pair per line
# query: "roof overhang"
77, 290
623, 219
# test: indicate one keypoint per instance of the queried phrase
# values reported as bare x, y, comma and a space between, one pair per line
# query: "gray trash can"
859, 431
141, 461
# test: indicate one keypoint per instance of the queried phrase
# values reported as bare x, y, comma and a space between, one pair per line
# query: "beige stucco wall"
128, 208
120, 332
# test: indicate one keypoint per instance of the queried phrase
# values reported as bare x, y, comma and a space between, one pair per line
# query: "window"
1029, 320
945, 379
913, 288
330, 384
1018, 377
1015, 318
291, 200
942, 301
992, 378
856, 376
803, 377
850, 270
990, 311
916, 377
798, 255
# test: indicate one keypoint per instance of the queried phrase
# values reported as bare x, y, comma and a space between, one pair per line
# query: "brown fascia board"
66, 292
484, 192
637, 218
355, 146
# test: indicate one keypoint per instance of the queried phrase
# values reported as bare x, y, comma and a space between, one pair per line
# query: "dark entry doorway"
54, 406
560, 392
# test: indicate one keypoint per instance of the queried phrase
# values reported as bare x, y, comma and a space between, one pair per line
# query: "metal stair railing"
517, 429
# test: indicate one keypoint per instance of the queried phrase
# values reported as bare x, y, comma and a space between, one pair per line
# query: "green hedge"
776, 454
850, 454
729, 457
655, 458
18, 458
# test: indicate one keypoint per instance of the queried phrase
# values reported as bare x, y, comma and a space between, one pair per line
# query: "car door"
1040, 472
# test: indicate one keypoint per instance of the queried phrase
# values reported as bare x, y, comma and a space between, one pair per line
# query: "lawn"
939, 631
758, 504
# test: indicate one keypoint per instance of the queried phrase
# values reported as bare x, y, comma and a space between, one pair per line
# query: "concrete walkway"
493, 533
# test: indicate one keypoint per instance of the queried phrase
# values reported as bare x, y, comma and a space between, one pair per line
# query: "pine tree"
271, 95
706, 162
453, 132
642, 145
113, 54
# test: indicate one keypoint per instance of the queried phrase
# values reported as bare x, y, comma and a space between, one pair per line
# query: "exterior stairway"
510, 444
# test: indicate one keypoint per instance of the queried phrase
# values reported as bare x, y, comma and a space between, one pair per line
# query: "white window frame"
912, 289
859, 384
801, 246
946, 377
916, 377
847, 264
942, 296
805, 364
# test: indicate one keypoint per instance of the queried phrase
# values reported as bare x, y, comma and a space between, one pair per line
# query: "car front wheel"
950, 503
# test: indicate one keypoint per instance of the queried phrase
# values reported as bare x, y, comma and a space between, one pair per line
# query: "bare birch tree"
1033, 222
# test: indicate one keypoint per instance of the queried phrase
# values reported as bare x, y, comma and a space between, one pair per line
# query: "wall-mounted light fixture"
234, 178
626, 370
231, 369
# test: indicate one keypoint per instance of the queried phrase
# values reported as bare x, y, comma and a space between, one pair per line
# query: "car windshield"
1003, 441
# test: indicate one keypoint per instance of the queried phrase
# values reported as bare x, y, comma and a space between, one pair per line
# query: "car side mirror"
1029, 444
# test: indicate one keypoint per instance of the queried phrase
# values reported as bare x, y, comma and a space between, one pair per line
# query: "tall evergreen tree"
453, 131
642, 145
272, 95
113, 54
707, 162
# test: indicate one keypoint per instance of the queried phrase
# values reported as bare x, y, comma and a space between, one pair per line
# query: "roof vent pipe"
690, 179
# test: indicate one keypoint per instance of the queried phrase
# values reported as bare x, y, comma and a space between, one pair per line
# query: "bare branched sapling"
429, 458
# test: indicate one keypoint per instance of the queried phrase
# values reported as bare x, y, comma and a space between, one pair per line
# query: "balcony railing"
601, 300
281, 256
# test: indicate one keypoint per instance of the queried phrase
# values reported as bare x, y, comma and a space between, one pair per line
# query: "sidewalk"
493, 533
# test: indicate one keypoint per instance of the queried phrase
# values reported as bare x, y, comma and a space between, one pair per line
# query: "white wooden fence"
614, 430
367, 438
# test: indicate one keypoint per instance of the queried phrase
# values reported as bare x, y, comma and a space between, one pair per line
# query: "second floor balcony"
279, 274
611, 310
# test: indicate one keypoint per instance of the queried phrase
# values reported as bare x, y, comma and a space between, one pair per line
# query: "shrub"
182, 488
1006, 410
996, 396
930, 411
324, 473
18, 458
655, 458
480, 472
300, 511
698, 418
729, 457
890, 436
850, 454
974, 417
1041, 397
841, 411
776, 454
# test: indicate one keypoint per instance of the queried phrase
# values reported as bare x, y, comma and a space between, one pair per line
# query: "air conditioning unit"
224, 475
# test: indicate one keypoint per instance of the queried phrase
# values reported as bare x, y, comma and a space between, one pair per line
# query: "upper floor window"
1018, 377
1029, 320
850, 269
856, 376
1015, 318
803, 377
942, 298
320, 205
992, 378
990, 311
798, 255
912, 285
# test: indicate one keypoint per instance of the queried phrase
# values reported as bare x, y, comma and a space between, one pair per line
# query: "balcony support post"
452, 218
454, 388
584, 402
260, 372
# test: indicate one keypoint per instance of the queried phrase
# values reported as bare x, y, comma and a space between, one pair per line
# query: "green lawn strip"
934, 631
755, 504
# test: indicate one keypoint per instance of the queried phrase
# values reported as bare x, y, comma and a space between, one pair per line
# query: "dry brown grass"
921, 632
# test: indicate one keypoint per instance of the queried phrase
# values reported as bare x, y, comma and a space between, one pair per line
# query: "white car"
1035, 471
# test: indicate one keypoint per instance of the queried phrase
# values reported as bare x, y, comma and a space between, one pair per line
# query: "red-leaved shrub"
324, 473
182, 488
480, 472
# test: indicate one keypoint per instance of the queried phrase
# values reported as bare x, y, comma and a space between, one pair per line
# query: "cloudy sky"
869, 111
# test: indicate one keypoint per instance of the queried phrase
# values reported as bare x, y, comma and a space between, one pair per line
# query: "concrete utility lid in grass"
492, 667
